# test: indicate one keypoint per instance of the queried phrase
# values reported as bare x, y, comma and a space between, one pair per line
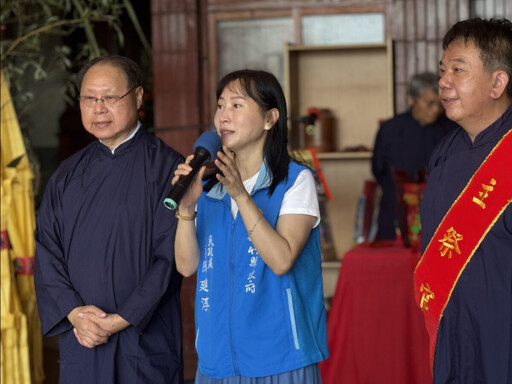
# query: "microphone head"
210, 141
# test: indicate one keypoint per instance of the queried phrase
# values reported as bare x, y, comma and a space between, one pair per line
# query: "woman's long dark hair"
265, 90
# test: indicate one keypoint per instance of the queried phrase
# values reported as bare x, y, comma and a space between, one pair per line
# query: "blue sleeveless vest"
249, 321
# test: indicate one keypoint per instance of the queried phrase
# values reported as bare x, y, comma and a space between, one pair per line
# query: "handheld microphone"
206, 147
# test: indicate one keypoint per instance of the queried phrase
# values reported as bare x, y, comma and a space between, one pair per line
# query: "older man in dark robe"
105, 275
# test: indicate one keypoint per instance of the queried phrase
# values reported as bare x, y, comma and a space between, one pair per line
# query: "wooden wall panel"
177, 72
422, 62
421, 22
429, 15
418, 41
491, 8
442, 16
434, 51
398, 19
410, 21
452, 13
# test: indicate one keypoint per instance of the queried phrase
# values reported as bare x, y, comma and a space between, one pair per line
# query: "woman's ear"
272, 117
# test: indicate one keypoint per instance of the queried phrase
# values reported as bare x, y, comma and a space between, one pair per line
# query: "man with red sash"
463, 282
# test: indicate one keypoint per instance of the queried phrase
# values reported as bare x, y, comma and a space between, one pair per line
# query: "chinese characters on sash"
426, 296
485, 193
450, 242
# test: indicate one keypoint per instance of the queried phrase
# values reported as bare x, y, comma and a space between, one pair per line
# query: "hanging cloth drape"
21, 338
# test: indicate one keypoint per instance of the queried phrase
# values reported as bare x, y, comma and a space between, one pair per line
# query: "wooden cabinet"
355, 82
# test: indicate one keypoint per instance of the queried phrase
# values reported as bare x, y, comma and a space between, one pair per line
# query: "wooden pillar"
177, 94
176, 72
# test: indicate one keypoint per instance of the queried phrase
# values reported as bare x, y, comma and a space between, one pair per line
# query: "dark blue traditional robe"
474, 340
104, 238
404, 144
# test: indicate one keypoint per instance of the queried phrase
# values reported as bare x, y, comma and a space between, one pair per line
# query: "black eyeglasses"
90, 101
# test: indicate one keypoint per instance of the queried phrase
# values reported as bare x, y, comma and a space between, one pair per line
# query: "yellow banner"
21, 341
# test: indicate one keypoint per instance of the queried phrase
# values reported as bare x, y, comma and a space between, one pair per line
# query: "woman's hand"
195, 189
186, 248
230, 175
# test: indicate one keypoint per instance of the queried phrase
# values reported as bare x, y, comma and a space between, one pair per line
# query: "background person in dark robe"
474, 339
105, 275
405, 143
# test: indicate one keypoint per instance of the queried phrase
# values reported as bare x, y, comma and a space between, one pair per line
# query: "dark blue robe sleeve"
140, 306
56, 296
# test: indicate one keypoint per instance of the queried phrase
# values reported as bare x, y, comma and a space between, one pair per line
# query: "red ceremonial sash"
465, 225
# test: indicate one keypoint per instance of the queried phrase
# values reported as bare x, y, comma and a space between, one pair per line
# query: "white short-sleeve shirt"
301, 198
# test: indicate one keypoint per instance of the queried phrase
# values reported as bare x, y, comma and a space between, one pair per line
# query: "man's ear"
139, 92
499, 85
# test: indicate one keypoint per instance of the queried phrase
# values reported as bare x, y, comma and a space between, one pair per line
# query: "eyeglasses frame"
102, 98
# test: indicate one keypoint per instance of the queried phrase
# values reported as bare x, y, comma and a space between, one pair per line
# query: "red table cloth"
375, 331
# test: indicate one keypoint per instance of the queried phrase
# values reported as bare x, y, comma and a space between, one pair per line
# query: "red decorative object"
409, 194
313, 113
411, 197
